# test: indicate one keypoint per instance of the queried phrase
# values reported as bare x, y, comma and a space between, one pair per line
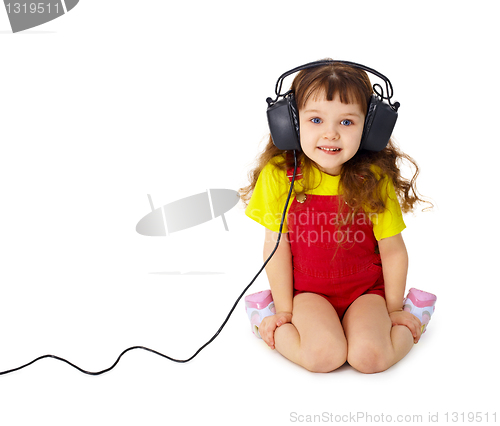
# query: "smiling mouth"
329, 149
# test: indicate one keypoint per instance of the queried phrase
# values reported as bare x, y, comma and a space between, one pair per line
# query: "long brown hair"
360, 177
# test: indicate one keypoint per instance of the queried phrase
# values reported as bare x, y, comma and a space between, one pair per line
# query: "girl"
338, 276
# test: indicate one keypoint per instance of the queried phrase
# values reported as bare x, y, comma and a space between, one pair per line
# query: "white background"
119, 99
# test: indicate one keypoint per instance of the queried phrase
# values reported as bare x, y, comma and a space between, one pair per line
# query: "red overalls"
334, 253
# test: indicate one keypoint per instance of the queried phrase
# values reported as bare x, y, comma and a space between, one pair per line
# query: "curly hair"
360, 177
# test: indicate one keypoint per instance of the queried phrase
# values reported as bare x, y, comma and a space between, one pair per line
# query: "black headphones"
283, 115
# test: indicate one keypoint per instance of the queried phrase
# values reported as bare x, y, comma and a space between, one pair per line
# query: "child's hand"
408, 320
269, 325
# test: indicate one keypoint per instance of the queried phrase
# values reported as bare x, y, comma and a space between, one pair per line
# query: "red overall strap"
289, 172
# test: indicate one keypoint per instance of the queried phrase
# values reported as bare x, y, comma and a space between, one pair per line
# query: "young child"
338, 276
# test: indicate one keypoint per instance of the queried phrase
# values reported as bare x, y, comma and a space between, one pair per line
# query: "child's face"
330, 132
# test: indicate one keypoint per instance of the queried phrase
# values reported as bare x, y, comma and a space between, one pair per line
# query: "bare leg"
374, 344
315, 338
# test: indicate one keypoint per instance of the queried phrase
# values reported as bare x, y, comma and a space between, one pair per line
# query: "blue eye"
346, 122
316, 120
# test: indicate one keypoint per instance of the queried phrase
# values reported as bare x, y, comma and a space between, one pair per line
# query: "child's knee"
323, 358
370, 358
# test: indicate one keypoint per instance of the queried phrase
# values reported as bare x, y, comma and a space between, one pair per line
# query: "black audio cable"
181, 361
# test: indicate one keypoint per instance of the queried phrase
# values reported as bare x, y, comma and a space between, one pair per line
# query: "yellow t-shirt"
269, 197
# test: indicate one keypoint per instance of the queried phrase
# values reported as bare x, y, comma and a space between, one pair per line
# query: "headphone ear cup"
379, 124
283, 120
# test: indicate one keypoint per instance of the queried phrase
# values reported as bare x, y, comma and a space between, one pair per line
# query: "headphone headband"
376, 87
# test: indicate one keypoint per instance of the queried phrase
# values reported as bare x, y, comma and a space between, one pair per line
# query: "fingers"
419, 331
266, 331
269, 325
415, 327
283, 318
410, 321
